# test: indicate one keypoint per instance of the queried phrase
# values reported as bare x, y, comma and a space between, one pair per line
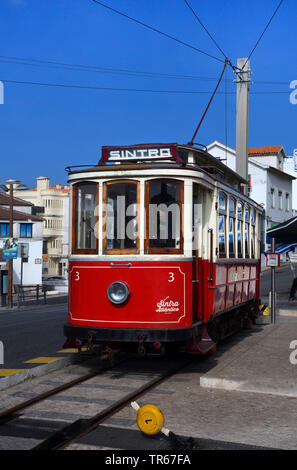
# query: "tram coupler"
91, 342
141, 348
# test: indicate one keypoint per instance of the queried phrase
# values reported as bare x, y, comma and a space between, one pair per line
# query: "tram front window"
121, 216
164, 216
85, 202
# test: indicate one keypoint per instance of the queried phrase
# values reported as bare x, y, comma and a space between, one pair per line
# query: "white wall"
258, 183
284, 185
270, 160
32, 272
218, 150
289, 167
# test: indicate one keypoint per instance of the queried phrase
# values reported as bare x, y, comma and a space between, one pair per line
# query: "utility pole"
242, 118
10, 261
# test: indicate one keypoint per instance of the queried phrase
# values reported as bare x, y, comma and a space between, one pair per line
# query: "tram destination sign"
133, 153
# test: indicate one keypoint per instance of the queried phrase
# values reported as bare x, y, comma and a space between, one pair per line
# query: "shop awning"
285, 233
283, 248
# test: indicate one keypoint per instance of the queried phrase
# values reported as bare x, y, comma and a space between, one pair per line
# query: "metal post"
22, 267
242, 118
273, 285
10, 261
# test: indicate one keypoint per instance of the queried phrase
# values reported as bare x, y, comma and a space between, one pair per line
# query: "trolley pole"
273, 285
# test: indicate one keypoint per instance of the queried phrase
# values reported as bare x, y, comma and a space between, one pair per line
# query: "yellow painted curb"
71, 350
43, 360
9, 372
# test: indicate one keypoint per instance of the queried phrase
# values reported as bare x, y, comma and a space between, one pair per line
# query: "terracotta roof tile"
17, 215
262, 151
4, 201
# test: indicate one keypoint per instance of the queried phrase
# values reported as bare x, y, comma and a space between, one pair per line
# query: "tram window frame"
116, 251
223, 215
253, 233
163, 251
239, 229
246, 231
84, 251
232, 217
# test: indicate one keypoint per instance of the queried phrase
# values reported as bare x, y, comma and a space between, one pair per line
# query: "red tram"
165, 250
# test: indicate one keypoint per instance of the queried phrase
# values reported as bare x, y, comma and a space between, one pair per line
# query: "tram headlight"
118, 292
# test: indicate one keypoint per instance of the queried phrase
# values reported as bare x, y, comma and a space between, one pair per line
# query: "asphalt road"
33, 332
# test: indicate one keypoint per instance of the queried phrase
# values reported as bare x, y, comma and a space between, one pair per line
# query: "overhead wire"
156, 30
266, 27
109, 70
87, 87
89, 68
208, 33
210, 101
137, 90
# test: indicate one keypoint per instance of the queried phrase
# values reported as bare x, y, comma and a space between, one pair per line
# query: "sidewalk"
263, 361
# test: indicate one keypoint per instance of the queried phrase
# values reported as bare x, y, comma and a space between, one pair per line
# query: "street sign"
10, 248
272, 260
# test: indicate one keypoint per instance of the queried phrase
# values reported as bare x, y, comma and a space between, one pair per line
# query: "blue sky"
44, 129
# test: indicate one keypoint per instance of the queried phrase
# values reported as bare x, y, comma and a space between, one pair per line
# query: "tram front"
130, 274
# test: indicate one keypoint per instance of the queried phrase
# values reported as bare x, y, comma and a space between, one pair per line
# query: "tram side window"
120, 199
247, 232
232, 220
253, 233
164, 216
85, 219
222, 224
239, 229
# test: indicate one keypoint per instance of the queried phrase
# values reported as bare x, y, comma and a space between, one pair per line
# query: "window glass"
253, 241
164, 215
25, 230
121, 216
239, 238
231, 237
85, 217
239, 210
253, 216
232, 203
246, 239
222, 231
247, 232
222, 224
4, 230
222, 201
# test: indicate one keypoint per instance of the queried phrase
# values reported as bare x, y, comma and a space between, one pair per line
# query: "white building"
269, 184
290, 166
27, 228
53, 203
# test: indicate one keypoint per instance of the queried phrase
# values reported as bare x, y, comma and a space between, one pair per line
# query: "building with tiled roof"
53, 204
27, 230
269, 183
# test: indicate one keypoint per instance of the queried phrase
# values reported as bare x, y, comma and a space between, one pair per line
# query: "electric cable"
207, 107
266, 27
156, 30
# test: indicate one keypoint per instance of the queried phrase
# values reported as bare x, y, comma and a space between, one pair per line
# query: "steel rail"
71, 433
8, 414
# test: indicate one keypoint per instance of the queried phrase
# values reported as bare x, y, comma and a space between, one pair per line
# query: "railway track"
62, 437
